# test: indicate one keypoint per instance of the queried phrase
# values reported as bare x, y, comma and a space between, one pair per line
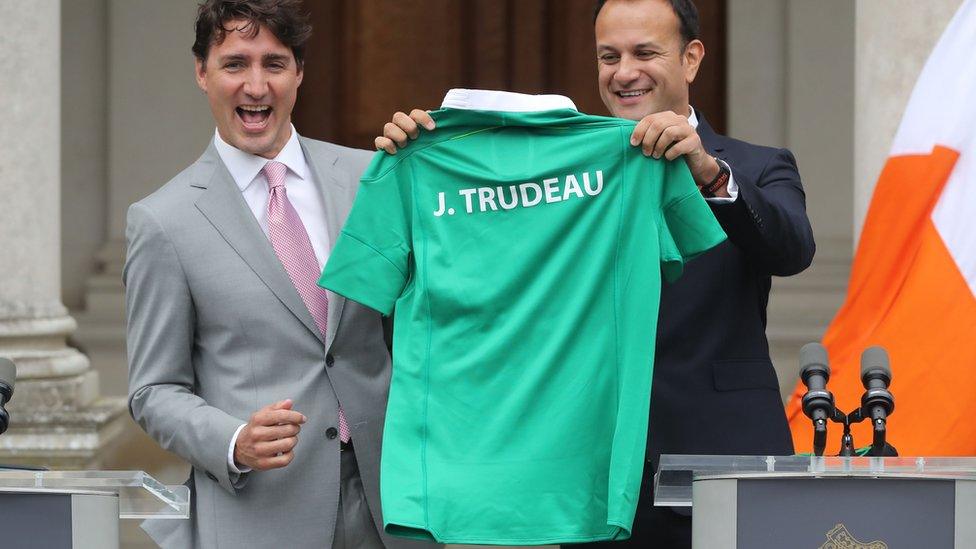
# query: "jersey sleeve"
370, 261
687, 227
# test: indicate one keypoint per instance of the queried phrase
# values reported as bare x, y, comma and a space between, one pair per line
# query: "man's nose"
256, 83
627, 70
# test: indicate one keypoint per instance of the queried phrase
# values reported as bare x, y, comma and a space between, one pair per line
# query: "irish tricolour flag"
913, 282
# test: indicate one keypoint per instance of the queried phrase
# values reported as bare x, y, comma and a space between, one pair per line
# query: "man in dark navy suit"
714, 389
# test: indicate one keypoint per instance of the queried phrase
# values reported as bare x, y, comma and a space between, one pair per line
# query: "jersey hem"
425, 533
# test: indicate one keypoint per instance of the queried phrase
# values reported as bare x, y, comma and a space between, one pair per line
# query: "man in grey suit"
231, 352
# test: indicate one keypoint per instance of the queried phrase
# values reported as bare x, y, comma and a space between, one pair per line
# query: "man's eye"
276, 66
646, 54
609, 58
234, 65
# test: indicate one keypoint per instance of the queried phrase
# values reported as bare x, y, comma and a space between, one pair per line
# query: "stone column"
57, 417
158, 123
894, 39
791, 84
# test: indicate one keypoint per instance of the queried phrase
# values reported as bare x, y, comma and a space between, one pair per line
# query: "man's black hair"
687, 16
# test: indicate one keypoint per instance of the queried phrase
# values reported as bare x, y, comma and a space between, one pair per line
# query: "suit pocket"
748, 373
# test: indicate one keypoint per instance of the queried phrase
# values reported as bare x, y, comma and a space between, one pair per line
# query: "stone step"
825, 279
805, 302
91, 334
105, 296
103, 282
795, 332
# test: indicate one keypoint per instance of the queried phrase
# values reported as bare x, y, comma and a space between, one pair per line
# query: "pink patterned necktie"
292, 246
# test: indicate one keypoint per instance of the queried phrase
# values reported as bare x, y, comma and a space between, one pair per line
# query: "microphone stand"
820, 430
879, 446
847, 440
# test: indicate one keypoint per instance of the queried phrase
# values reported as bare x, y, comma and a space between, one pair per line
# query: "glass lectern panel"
672, 482
140, 495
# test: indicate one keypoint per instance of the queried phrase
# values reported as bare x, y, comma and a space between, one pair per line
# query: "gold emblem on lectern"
839, 538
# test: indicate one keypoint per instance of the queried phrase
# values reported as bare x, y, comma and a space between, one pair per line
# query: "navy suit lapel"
710, 140
224, 206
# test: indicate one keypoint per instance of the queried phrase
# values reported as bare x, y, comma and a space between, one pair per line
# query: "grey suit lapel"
223, 204
334, 193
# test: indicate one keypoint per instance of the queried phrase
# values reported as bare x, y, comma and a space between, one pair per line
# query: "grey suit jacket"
216, 330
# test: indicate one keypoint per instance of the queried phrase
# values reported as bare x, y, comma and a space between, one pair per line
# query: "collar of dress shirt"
245, 167
693, 118
491, 100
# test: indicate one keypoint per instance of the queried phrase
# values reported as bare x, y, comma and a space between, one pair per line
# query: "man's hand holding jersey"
401, 128
660, 135
669, 135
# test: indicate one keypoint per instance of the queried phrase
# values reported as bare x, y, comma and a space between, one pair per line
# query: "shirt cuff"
731, 188
231, 466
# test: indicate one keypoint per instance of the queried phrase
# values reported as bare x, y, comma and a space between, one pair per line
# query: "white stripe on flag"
942, 112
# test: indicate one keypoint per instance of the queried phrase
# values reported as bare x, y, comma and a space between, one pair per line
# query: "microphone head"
8, 373
875, 362
813, 359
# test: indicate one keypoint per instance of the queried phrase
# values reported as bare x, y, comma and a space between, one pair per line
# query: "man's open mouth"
254, 116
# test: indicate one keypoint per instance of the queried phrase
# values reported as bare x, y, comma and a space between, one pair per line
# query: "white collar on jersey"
491, 100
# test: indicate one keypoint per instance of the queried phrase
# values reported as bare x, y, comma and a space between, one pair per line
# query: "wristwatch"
721, 180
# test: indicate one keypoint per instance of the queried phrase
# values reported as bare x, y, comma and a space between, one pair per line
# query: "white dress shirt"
303, 193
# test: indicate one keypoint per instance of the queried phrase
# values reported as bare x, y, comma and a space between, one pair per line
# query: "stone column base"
63, 439
57, 418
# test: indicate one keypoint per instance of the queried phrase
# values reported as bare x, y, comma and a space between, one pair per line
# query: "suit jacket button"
211, 476
329, 360
331, 433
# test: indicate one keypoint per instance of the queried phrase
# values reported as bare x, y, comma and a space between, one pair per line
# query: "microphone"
877, 403
818, 402
8, 374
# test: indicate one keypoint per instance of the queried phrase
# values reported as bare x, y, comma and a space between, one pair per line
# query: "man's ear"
200, 73
691, 58
301, 73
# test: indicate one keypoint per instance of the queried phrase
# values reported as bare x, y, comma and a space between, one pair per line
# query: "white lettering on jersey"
466, 193
440, 205
486, 198
526, 203
501, 198
526, 195
551, 189
571, 187
599, 183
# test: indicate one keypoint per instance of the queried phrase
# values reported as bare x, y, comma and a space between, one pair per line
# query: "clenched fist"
269, 438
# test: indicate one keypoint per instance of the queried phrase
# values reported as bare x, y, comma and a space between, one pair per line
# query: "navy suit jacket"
714, 389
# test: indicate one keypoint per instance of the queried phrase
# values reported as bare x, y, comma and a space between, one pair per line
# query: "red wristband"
721, 180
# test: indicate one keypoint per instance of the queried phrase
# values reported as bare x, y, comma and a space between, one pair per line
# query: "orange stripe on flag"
903, 277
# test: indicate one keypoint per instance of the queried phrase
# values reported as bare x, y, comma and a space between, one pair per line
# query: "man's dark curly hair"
284, 18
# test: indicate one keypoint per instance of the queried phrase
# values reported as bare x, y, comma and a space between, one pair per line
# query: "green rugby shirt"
522, 255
